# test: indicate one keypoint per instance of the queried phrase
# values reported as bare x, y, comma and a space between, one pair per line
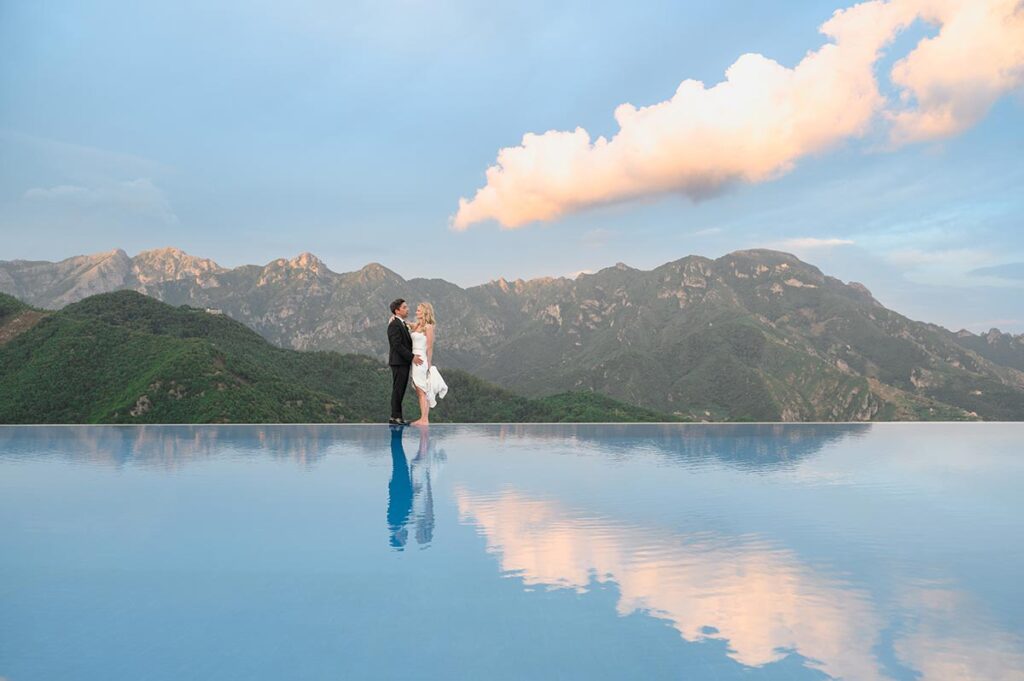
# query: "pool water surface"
682, 551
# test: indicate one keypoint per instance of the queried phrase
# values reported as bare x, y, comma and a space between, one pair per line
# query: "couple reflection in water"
410, 497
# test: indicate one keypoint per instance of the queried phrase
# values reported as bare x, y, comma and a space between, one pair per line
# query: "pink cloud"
758, 122
949, 82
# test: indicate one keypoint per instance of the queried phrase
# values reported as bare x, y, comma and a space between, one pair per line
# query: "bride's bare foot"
419, 422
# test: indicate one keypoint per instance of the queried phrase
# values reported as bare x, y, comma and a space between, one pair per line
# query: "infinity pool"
890, 551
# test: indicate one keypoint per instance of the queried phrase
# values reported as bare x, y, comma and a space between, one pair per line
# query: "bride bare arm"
430, 345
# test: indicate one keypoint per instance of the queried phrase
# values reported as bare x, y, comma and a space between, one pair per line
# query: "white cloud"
810, 243
707, 232
81, 163
64, 193
961, 258
757, 123
137, 197
949, 267
1011, 270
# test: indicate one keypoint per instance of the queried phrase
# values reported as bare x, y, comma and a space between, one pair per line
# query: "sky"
469, 141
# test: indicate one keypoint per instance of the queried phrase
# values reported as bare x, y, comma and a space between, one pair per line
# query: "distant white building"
213, 310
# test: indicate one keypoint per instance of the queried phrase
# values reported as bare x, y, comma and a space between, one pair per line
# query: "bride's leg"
424, 409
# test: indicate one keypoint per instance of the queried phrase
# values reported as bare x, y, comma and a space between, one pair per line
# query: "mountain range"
124, 357
756, 334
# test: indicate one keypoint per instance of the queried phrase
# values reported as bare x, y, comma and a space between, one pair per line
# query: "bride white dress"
426, 379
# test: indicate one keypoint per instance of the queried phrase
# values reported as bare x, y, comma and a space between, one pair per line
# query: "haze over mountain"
754, 334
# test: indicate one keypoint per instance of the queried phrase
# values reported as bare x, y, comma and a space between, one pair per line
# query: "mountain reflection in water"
788, 551
753, 447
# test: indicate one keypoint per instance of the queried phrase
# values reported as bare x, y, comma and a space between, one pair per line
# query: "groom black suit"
400, 359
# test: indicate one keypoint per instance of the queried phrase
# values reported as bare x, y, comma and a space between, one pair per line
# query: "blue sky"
250, 131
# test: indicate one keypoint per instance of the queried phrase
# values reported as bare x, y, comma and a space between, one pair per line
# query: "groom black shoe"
397, 422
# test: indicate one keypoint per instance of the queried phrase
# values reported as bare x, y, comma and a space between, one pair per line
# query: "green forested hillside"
10, 306
125, 358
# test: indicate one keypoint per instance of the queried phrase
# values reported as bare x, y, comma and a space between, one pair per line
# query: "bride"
425, 376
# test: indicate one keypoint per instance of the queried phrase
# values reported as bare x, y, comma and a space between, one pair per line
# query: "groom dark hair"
396, 303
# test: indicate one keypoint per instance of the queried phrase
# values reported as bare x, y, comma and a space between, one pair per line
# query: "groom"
400, 358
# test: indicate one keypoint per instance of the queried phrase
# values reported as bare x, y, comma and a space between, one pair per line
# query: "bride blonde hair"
427, 317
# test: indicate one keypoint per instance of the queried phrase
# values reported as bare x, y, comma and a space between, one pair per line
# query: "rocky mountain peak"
308, 261
516, 285
87, 274
170, 254
864, 291
994, 335
764, 254
163, 252
375, 272
305, 267
997, 346
780, 268
859, 287
171, 264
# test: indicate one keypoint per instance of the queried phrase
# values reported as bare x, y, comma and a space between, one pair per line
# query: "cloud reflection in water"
759, 597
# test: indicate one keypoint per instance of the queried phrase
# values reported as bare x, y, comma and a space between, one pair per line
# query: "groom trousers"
399, 382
